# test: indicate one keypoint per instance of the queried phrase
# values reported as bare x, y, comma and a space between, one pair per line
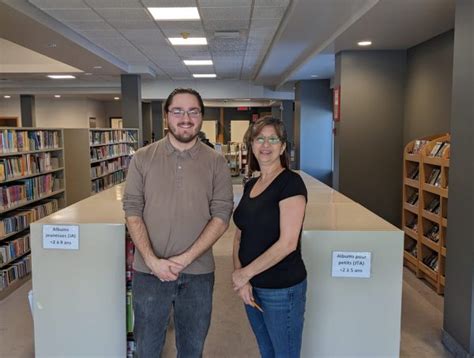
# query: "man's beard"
187, 137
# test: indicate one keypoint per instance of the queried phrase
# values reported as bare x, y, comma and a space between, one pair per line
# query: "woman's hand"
245, 293
240, 278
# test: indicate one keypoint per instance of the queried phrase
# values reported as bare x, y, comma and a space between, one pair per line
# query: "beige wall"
62, 113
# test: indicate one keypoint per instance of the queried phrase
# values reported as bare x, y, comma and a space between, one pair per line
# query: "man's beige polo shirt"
177, 193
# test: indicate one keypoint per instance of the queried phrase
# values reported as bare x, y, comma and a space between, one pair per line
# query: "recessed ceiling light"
7, 96
57, 96
61, 77
116, 98
197, 62
174, 13
314, 76
97, 67
364, 43
88, 74
204, 75
179, 41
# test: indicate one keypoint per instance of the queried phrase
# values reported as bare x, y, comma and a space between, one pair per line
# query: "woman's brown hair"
254, 130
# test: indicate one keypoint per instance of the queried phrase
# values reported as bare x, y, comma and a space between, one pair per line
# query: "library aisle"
230, 335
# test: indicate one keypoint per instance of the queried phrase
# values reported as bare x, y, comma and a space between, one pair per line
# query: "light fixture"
180, 41
7, 96
204, 75
174, 13
364, 43
97, 67
116, 98
197, 62
57, 96
61, 77
314, 76
88, 74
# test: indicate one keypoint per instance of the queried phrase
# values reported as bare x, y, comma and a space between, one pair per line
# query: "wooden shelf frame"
426, 219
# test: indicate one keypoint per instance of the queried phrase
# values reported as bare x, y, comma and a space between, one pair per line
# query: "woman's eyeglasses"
273, 139
179, 112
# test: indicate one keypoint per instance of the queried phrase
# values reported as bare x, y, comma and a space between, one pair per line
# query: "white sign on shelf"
62, 237
351, 264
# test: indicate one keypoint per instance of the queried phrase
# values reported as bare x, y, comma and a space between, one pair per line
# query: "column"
28, 110
157, 119
132, 104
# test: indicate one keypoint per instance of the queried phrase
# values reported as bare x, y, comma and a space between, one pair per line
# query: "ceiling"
276, 41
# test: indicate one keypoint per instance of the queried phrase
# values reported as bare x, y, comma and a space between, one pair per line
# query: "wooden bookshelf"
32, 186
426, 173
96, 159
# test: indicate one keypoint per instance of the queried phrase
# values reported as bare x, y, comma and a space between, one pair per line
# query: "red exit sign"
242, 108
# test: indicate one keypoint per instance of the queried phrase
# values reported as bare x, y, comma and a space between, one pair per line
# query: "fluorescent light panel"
204, 75
57, 96
197, 62
7, 96
174, 13
179, 41
364, 43
61, 77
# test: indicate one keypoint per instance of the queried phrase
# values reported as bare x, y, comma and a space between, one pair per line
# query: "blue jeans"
191, 299
279, 329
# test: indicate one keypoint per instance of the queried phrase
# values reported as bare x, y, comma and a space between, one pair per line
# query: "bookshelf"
31, 187
425, 207
96, 159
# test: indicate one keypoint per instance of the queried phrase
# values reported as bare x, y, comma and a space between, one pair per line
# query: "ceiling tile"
226, 25
268, 12
125, 24
129, 14
93, 34
186, 52
224, 3
264, 24
169, 3
221, 13
59, 4
281, 3
226, 45
114, 4
194, 28
89, 25
74, 15
152, 36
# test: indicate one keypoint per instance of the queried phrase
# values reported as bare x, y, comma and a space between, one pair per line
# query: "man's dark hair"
181, 91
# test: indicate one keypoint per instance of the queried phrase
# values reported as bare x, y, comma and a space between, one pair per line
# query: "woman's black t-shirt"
258, 219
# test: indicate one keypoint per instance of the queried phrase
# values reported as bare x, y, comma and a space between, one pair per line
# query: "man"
178, 200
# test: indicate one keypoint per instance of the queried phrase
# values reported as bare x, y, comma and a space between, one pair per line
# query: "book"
433, 205
433, 176
413, 199
435, 149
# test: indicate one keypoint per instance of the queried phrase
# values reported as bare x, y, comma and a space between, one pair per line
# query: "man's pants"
191, 299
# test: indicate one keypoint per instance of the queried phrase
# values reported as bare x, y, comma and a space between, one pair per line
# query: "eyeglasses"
273, 139
179, 112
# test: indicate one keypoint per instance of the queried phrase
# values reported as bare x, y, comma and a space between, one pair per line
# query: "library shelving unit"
232, 153
96, 159
32, 187
425, 207
111, 151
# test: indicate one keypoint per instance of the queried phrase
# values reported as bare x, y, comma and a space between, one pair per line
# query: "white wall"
10, 107
59, 113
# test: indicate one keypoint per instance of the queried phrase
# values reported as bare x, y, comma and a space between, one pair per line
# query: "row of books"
28, 164
434, 206
433, 233
431, 261
112, 136
14, 272
107, 181
10, 250
22, 218
411, 248
129, 257
435, 177
14, 141
27, 189
413, 198
439, 149
111, 151
413, 223
110, 166
419, 143
415, 173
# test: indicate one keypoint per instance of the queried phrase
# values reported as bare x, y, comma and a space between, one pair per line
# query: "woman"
270, 275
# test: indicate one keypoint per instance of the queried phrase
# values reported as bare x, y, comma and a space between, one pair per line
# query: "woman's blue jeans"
279, 329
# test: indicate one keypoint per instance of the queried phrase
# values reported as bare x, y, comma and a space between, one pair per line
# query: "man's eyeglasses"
273, 139
179, 112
